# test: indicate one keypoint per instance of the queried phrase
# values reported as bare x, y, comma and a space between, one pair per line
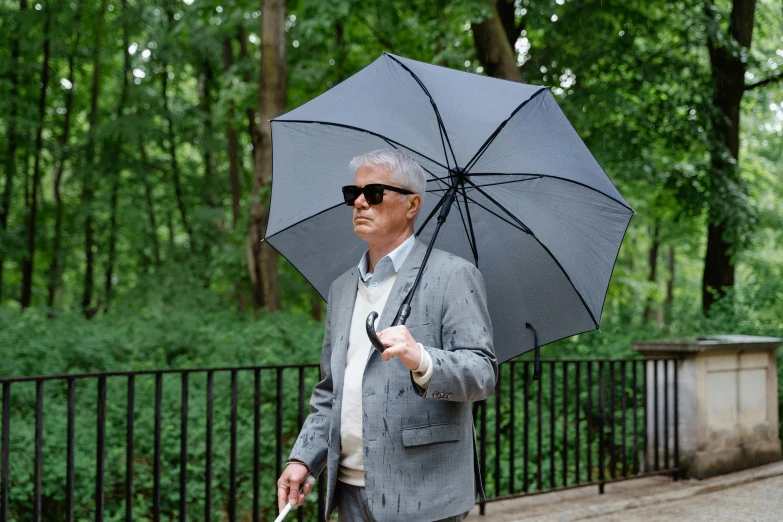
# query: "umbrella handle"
370, 326
537, 360
402, 316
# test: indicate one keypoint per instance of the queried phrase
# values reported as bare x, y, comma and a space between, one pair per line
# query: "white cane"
288, 506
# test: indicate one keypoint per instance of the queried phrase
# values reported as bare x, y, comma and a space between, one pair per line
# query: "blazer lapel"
344, 296
402, 285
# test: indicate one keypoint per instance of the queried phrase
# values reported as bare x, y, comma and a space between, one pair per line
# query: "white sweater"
368, 300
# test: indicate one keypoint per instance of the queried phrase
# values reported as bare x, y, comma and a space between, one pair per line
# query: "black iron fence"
209, 444
584, 422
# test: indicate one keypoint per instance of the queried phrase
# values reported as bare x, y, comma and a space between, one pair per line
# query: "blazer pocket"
431, 434
417, 325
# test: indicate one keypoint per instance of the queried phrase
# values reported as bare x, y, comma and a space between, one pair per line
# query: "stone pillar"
727, 401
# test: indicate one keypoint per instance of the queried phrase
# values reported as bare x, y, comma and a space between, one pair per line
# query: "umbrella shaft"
405, 309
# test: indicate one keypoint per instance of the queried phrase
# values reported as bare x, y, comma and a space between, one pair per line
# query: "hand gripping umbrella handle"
402, 316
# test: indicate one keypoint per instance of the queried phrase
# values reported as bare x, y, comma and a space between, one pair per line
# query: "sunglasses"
373, 193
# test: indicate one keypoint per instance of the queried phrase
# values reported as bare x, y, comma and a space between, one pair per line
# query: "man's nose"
361, 202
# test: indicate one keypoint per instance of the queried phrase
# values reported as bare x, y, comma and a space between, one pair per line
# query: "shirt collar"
395, 258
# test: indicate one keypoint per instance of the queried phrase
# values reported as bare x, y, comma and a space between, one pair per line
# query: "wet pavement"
751, 495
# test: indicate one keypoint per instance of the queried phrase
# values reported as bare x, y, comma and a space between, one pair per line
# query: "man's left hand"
399, 343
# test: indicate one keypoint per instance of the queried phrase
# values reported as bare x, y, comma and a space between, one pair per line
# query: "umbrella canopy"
534, 209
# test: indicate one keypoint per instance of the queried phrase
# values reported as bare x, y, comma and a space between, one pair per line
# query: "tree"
261, 258
55, 265
87, 179
12, 132
233, 143
116, 152
32, 212
495, 38
727, 206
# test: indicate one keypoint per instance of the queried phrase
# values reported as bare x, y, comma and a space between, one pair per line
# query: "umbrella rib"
435, 108
494, 135
537, 176
267, 238
471, 236
351, 127
525, 230
494, 184
512, 216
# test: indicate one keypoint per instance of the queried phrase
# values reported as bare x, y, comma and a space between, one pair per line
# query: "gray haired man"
395, 429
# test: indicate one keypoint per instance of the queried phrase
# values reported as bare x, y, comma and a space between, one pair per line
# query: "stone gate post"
727, 401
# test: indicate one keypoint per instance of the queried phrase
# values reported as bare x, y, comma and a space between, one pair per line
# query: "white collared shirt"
388, 266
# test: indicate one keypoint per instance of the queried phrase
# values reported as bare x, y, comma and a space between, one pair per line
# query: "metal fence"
584, 422
209, 444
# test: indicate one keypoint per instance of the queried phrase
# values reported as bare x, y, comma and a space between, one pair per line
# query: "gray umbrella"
535, 211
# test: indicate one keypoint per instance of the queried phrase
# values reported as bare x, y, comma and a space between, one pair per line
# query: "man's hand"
295, 475
399, 343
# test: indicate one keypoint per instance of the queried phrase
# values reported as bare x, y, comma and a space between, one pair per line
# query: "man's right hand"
294, 476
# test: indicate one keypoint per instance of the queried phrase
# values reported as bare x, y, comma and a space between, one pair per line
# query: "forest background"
135, 151
135, 174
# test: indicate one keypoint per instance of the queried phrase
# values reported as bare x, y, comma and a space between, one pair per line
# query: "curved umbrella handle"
370, 326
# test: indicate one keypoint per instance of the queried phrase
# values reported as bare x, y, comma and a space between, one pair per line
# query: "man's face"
386, 221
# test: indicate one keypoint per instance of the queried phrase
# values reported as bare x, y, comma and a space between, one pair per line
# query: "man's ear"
414, 204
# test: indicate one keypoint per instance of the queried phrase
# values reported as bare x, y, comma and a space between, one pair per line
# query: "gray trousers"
352, 505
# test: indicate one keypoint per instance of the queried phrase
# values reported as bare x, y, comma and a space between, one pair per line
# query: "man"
395, 428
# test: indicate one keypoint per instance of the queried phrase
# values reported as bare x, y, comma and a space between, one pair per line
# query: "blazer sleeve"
312, 444
465, 368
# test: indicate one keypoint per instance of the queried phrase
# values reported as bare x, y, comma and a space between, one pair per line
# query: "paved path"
751, 495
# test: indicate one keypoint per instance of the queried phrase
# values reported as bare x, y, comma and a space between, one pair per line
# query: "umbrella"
535, 211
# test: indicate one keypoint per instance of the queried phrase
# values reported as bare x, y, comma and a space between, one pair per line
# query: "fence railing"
209, 444
584, 422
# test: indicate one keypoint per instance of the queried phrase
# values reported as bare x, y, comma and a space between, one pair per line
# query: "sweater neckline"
373, 294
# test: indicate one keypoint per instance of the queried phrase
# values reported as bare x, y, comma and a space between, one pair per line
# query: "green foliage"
193, 333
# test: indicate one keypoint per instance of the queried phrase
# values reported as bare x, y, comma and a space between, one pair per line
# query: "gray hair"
404, 171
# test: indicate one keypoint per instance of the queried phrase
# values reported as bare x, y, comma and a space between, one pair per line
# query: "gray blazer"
419, 445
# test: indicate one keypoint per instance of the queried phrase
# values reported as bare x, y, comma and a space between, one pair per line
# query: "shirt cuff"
423, 373
291, 461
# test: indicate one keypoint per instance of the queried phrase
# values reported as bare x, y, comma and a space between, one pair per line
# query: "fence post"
601, 458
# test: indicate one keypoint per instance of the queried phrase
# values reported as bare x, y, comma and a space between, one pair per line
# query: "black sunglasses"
373, 193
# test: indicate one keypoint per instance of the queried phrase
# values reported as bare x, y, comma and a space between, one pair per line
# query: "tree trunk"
172, 142
28, 264
13, 137
150, 203
55, 268
493, 48
116, 152
209, 157
170, 225
233, 158
262, 259
87, 190
316, 306
728, 75
669, 301
652, 259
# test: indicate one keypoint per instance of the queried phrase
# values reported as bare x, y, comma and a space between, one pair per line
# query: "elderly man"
395, 429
